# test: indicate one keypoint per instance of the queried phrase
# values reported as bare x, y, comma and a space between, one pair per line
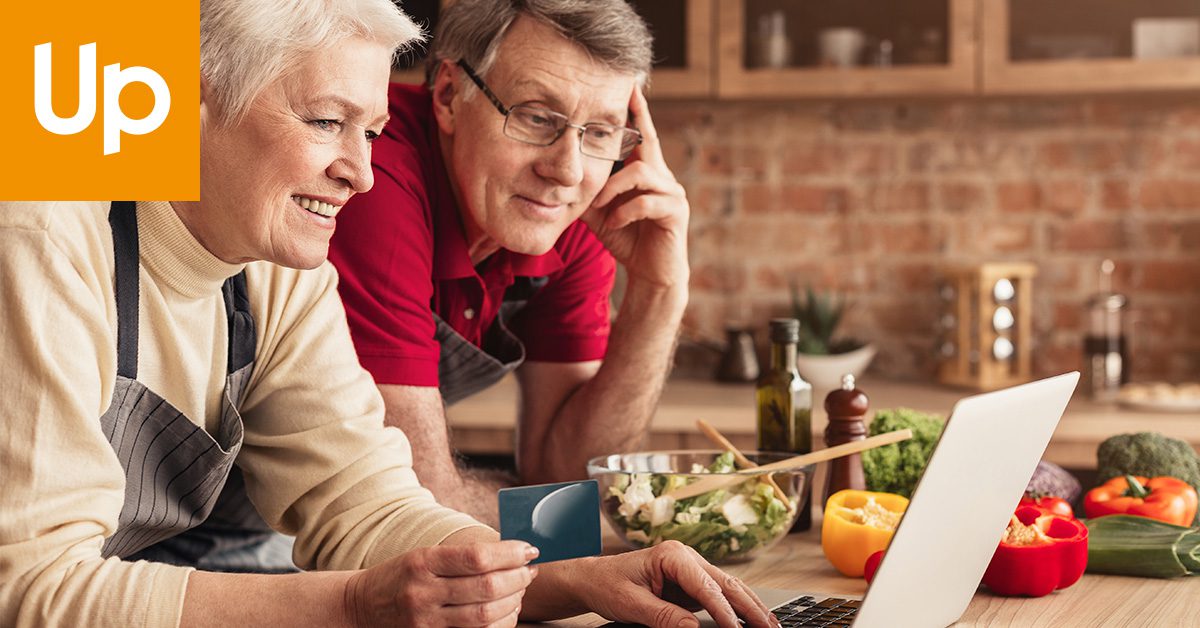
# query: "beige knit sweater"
319, 463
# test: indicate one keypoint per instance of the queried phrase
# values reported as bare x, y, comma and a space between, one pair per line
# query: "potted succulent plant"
822, 357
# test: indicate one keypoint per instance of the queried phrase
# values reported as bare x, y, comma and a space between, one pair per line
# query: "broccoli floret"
896, 468
1148, 454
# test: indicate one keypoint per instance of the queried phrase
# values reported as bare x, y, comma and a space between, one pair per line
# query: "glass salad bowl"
724, 525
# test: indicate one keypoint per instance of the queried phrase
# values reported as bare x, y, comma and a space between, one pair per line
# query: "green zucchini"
1129, 545
1188, 550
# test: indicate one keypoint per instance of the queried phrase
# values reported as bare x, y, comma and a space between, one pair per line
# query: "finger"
478, 558
640, 109
483, 613
743, 599
594, 217
648, 148
507, 622
630, 179
685, 568
643, 607
489, 586
667, 213
638, 177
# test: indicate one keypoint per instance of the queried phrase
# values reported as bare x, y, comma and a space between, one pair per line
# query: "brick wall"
872, 198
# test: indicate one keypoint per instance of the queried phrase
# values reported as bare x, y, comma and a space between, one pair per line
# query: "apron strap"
122, 216
242, 338
523, 288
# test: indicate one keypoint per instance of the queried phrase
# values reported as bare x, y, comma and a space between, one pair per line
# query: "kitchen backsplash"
872, 198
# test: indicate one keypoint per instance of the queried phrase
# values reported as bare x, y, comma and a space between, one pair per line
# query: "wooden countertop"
485, 423
797, 563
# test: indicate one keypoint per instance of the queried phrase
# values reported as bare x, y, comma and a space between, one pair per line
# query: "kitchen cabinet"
950, 47
1089, 46
917, 47
789, 49
683, 46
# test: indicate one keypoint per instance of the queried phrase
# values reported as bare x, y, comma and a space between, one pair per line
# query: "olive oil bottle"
785, 404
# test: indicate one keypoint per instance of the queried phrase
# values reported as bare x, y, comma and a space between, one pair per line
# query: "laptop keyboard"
804, 612
807, 611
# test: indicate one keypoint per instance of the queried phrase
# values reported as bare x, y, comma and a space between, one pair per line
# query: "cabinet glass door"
1091, 45
798, 48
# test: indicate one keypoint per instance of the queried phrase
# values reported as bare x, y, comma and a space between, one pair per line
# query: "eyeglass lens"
542, 127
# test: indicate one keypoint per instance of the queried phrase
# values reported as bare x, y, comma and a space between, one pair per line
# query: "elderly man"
505, 188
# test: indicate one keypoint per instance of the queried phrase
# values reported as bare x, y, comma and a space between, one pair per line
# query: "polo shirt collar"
451, 259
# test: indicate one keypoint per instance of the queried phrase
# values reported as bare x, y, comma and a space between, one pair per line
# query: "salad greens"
723, 524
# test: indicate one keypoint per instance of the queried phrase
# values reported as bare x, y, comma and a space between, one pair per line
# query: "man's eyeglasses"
542, 127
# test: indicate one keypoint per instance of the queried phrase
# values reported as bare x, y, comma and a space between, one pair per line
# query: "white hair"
246, 45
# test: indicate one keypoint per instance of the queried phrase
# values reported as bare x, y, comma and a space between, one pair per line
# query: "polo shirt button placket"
469, 313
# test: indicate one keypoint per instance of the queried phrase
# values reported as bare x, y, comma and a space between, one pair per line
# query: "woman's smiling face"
271, 184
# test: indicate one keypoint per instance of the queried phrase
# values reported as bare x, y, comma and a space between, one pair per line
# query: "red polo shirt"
402, 256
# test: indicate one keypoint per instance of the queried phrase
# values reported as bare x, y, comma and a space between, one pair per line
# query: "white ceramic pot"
841, 47
825, 372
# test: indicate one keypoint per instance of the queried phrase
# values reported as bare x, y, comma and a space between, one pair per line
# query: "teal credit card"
562, 520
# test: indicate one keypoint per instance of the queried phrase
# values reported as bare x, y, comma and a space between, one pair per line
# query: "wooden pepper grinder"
847, 409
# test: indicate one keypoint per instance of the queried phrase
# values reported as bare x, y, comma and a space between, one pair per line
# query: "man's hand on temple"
641, 213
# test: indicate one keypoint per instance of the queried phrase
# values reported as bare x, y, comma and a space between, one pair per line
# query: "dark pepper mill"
847, 410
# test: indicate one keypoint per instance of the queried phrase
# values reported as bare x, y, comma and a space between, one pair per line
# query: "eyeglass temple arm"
482, 86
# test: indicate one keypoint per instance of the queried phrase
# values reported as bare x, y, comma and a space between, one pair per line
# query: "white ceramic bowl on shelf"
825, 372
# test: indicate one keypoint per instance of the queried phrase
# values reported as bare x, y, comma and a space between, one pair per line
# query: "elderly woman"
181, 373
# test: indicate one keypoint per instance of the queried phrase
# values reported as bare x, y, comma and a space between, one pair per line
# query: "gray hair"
610, 31
246, 45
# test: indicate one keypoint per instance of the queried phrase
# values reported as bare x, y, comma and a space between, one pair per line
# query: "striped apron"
185, 501
465, 369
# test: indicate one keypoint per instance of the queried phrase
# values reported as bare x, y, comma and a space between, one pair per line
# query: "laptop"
983, 461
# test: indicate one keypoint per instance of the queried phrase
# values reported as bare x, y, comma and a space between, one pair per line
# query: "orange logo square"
104, 100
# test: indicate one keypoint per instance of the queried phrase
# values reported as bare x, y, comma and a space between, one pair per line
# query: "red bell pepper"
1049, 504
1164, 498
1040, 553
872, 565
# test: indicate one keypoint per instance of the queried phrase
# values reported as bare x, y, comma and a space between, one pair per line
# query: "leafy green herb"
896, 468
819, 316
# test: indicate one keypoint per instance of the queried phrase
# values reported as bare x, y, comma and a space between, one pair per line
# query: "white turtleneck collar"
175, 257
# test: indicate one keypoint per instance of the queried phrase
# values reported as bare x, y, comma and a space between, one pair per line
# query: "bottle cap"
786, 330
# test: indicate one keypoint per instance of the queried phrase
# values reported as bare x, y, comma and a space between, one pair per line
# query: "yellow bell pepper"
858, 524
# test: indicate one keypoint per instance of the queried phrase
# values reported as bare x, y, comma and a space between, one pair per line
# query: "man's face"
518, 196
